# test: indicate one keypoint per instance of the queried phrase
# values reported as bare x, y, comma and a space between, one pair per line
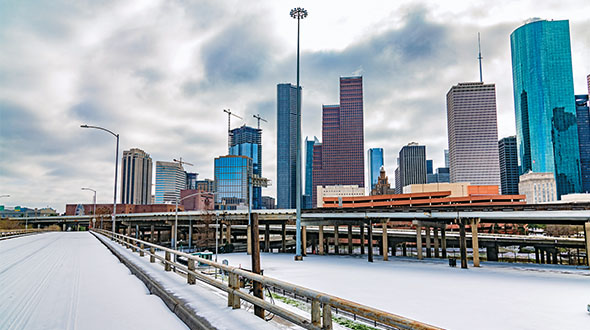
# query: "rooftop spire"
479, 57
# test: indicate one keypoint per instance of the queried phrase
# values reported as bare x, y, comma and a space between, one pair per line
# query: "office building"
375, 159
583, 121
508, 165
429, 166
447, 162
231, 181
307, 203
247, 141
546, 129
538, 187
198, 202
412, 166
268, 203
207, 185
338, 191
170, 180
473, 134
286, 145
339, 159
440, 176
136, 177
191, 180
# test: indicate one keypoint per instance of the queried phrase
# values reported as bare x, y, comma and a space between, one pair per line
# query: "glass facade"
583, 118
508, 165
341, 154
375, 157
247, 141
412, 166
286, 145
231, 181
547, 133
170, 180
307, 203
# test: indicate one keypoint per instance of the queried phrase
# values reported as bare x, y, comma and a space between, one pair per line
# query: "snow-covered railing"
321, 303
6, 233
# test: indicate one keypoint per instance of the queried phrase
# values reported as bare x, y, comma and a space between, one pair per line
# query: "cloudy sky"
160, 72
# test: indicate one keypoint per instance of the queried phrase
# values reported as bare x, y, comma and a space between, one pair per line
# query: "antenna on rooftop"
479, 57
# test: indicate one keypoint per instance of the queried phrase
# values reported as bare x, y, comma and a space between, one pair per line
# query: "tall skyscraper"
307, 203
247, 141
375, 157
286, 145
231, 181
583, 119
191, 180
429, 166
546, 129
473, 134
508, 165
339, 160
136, 177
447, 162
412, 166
170, 180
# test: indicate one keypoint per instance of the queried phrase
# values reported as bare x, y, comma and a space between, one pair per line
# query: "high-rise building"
307, 203
583, 119
136, 177
339, 160
286, 145
231, 181
268, 203
447, 162
207, 185
429, 166
441, 176
473, 134
170, 180
247, 141
508, 165
191, 181
375, 158
538, 187
546, 129
412, 166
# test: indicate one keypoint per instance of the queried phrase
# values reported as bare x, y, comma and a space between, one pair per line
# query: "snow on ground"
207, 301
495, 296
70, 280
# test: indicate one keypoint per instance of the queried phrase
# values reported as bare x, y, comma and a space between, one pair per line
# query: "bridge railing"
321, 303
6, 233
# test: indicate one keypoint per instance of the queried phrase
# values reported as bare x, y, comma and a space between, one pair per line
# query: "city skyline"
165, 95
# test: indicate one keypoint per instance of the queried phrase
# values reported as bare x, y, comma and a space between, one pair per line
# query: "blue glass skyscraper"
547, 133
286, 145
307, 202
583, 117
231, 181
247, 141
375, 157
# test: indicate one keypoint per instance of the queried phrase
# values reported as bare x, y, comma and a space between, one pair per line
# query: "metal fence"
9, 233
321, 303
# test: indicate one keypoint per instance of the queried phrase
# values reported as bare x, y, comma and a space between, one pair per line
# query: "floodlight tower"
299, 14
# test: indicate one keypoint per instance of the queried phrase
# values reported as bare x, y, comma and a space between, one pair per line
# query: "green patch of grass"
351, 324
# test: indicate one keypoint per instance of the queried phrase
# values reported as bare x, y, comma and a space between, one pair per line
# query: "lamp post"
94, 201
116, 168
176, 219
299, 14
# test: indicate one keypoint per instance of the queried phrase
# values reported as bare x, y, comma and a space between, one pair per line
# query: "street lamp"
94, 210
299, 14
176, 219
116, 169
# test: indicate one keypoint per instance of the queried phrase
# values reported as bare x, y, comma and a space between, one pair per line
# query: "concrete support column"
128, 230
370, 230
475, 242
463, 244
350, 239
436, 252
336, 241
419, 242
283, 237
384, 248
428, 246
404, 251
267, 237
159, 237
321, 240
190, 235
537, 259
363, 238
492, 252
220, 233
587, 236
542, 251
249, 240
443, 241
303, 241
152, 234
228, 233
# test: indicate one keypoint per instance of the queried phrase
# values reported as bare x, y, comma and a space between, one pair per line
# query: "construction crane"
181, 162
229, 114
259, 119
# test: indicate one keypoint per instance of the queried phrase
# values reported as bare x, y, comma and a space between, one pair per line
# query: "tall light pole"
94, 201
116, 169
299, 14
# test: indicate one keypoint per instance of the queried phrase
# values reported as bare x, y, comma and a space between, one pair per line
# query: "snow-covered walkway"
71, 281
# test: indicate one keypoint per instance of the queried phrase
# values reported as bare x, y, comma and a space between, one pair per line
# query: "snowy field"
71, 281
495, 296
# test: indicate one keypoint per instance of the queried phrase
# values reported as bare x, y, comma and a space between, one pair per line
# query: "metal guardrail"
7, 233
321, 303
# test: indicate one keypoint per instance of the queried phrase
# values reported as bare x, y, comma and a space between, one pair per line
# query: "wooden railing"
321, 303
7, 233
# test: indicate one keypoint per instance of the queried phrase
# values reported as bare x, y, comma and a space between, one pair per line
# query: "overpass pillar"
384, 247
249, 240
428, 247
363, 238
228, 233
587, 236
336, 243
321, 240
152, 234
404, 251
370, 229
303, 241
436, 252
63, 227
492, 252
350, 239
190, 235
419, 242
463, 244
542, 256
536, 255
267, 237
443, 241
284, 237
475, 242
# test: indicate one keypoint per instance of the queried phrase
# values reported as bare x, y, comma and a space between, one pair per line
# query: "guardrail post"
327, 317
233, 300
316, 313
141, 253
190, 278
167, 266
152, 254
